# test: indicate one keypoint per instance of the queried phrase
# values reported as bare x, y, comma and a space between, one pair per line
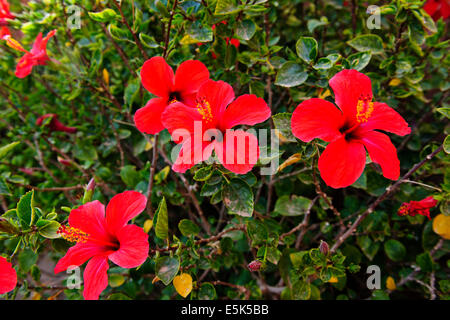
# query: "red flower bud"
324, 248
91, 185
64, 162
421, 207
255, 265
55, 124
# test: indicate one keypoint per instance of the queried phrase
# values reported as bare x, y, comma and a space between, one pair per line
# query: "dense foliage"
214, 231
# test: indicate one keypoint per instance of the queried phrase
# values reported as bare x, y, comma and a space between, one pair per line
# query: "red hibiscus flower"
207, 127
4, 14
8, 276
421, 207
437, 9
101, 237
349, 129
55, 124
158, 78
37, 56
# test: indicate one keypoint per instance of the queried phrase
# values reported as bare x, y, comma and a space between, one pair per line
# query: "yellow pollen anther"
364, 110
173, 101
73, 234
204, 108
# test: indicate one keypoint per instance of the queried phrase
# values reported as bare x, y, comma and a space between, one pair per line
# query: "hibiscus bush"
224, 149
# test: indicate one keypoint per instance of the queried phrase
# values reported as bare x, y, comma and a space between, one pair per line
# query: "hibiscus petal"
190, 75
79, 254
383, 152
349, 86
8, 276
219, 94
342, 163
157, 77
247, 109
178, 116
387, 119
317, 118
90, 218
148, 118
239, 151
133, 249
191, 153
122, 208
95, 277
24, 66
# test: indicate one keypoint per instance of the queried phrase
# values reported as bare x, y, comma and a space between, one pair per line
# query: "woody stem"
389, 191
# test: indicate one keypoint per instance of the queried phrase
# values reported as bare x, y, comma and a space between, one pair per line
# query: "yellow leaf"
36, 296
149, 145
280, 136
441, 225
155, 279
333, 279
395, 82
148, 224
106, 76
325, 94
292, 159
183, 284
390, 283
116, 280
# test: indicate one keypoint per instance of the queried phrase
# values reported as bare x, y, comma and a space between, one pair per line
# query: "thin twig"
389, 191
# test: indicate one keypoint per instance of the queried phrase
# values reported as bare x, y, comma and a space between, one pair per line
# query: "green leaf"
425, 262
148, 41
282, 122
226, 7
360, 60
246, 29
197, 32
301, 290
314, 23
368, 247
106, 15
447, 144
323, 64
395, 250
118, 33
162, 224
203, 174
307, 49
292, 206
25, 209
49, 231
257, 231
445, 111
367, 42
118, 296
206, 292
5, 149
425, 19
290, 74
167, 268
187, 228
4, 189
116, 280
130, 176
238, 197
85, 152
27, 259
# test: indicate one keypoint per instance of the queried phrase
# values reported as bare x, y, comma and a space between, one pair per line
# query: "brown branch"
303, 224
389, 191
136, 39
